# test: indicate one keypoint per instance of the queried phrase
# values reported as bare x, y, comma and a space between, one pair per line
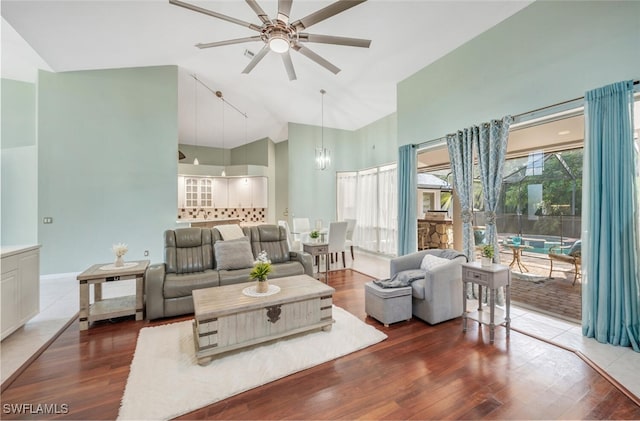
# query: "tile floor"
59, 302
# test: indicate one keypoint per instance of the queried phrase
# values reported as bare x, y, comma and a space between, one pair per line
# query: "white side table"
492, 277
317, 250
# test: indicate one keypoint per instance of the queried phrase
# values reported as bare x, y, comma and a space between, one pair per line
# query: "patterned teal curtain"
610, 300
460, 147
492, 148
407, 196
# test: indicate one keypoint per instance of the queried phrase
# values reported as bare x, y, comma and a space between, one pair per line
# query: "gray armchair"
437, 297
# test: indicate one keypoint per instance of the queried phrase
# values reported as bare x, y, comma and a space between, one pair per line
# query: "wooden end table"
316, 250
109, 308
492, 277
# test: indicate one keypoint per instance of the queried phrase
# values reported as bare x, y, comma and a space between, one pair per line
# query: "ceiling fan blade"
228, 42
288, 64
259, 11
325, 13
284, 8
330, 39
315, 57
256, 59
215, 14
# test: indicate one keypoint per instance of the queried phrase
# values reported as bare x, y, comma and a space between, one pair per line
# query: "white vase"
486, 261
119, 262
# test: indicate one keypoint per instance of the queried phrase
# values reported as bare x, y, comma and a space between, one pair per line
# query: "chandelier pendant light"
323, 156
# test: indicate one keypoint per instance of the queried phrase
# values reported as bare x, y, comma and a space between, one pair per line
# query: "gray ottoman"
387, 305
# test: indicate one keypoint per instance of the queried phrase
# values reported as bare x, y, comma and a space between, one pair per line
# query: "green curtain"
610, 298
407, 196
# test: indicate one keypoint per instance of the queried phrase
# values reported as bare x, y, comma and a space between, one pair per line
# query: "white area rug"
166, 381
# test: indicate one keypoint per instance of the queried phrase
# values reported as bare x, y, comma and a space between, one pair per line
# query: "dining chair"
301, 229
294, 245
337, 239
351, 227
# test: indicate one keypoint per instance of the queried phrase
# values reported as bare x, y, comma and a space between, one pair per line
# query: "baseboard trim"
36, 354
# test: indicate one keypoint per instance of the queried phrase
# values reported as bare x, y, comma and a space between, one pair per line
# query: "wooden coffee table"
227, 320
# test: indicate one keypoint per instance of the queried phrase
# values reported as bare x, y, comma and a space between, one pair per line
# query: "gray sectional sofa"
199, 258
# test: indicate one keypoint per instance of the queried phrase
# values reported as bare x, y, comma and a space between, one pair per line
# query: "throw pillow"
230, 232
235, 254
430, 262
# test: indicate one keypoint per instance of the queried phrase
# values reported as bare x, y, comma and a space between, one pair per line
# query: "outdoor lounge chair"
574, 257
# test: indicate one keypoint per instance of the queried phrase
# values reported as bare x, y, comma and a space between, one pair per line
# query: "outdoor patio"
534, 289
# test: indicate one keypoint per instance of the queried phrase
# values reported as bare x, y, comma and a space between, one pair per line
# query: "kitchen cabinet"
222, 192
240, 192
19, 287
259, 192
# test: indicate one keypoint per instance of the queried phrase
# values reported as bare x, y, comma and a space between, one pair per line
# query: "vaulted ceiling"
93, 34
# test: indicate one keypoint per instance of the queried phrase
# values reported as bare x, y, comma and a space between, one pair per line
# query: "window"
370, 197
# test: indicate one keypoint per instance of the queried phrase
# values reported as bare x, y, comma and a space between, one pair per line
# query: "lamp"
195, 117
279, 42
323, 156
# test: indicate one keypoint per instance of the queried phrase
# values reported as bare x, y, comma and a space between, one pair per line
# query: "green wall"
549, 52
107, 164
254, 153
378, 142
282, 184
205, 154
312, 193
19, 166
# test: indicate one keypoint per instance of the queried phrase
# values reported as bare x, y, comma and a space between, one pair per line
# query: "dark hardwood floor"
419, 372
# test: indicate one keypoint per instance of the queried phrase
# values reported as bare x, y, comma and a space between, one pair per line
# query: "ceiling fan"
280, 36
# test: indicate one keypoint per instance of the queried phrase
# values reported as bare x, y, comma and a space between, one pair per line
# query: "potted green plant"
261, 268
487, 252
314, 235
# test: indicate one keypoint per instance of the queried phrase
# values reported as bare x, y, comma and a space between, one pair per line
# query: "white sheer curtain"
366, 235
388, 209
347, 183
370, 197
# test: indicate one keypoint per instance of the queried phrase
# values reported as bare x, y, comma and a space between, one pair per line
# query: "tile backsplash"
243, 214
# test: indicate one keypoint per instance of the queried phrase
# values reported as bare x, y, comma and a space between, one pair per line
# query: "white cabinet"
248, 192
259, 192
220, 189
240, 192
221, 192
20, 287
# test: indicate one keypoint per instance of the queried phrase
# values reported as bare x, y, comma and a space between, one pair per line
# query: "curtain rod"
530, 115
219, 95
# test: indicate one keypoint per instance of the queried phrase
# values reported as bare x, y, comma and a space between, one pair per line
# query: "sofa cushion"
281, 270
181, 285
576, 249
230, 232
233, 254
417, 289
188, 250
430, 262
237, 276
272, 239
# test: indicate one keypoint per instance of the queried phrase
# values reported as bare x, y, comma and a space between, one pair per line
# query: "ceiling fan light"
279, 43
